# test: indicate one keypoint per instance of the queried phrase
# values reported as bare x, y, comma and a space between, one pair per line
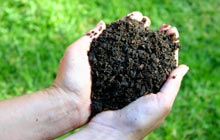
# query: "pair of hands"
137, 119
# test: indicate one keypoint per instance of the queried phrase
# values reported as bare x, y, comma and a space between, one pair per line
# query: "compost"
128, 61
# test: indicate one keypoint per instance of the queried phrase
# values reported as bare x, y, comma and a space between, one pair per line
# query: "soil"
128, 61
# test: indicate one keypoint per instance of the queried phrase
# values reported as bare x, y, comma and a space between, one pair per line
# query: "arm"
136, 120
140, 117
98, 132
52, 112
45, 114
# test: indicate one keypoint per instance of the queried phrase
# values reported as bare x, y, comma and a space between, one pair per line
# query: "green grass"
34, 35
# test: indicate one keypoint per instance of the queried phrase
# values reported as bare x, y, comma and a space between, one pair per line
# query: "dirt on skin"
128, 61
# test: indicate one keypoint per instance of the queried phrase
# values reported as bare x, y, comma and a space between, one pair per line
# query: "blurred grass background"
34, 35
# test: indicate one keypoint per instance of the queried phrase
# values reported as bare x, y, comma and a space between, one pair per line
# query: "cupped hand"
73, 78
140, 117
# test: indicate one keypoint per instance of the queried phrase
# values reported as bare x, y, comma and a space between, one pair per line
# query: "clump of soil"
128, 61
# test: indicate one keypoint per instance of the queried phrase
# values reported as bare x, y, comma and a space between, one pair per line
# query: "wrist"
45, 114
99, 132
104, 132
72, 104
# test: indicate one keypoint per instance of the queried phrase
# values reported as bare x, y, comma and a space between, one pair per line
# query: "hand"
73, 78
51, 112
143, 115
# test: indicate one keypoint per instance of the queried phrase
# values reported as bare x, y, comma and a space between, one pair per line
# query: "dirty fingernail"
164, 27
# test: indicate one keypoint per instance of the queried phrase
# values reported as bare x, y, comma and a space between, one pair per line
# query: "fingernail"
144, 20
100, 23
164, 27
173, 30
185, 69
129, 15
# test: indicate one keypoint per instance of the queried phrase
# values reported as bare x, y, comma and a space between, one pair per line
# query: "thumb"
83, 43
172, 85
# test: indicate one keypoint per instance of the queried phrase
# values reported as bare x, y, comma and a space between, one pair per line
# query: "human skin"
140, 117
65, 105
51, 112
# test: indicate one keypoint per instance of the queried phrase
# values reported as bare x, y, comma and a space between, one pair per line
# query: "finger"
172, 85
173, 31
176, 56
165, 27
84, 42
95, 32
136, 15
146, 21
139, 17
169, 31
75, 64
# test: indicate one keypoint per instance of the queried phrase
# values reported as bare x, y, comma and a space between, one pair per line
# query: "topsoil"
128, 61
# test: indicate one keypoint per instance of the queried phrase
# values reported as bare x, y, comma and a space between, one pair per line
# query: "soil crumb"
128, 61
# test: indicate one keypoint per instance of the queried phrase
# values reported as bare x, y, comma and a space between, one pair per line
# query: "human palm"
143, 115
73, 77
138, 118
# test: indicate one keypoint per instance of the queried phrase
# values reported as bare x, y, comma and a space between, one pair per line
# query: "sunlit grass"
34, 35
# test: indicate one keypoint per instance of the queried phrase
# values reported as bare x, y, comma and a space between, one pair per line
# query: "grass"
34, 35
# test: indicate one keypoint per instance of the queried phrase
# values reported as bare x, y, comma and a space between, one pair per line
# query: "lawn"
34, 35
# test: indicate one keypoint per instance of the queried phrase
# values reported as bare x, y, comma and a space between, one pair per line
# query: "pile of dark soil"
127, 62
